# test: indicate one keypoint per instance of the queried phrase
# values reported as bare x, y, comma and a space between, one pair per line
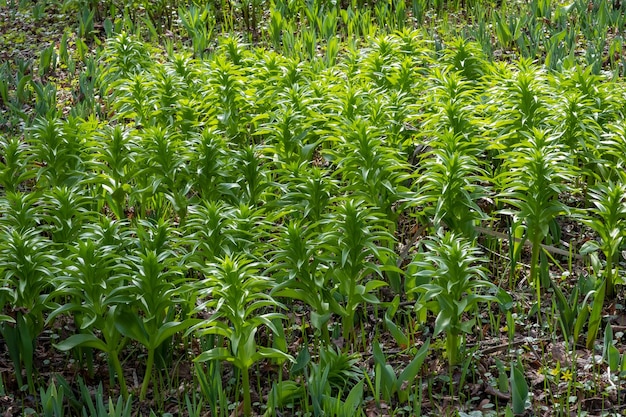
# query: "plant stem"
247, 401
534, 276
147, 375
610, 286
120, 373
452, 347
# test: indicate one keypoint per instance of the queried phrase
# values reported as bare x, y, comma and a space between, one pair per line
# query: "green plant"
237, 293
456, 279
155, 288
26, 270
387, 383
58, 150
102, 408
357, 240
519, 388
197, 22
324, 385
450, 184
536, 173
92, 283
574, 312
300, 274
15, 167
608, 220
115, 154
369, 167
52, 400
210, 382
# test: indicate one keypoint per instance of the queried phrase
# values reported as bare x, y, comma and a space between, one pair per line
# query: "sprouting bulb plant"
456, 282
237, 295
535, 173
608, 221
450, 184
358, 240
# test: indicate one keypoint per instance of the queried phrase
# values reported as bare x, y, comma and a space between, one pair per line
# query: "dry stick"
407, 248
489, 232
548, 248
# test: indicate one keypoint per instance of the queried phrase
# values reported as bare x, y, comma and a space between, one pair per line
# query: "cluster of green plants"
276, 208
245, 210
560, 34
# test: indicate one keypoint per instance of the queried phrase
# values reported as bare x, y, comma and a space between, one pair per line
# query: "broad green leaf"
595, 318
519, 390
170, 329
354, 399
613, 358
588, 247
373, 285
130, 325
319, 320
388, 378
302, 361
219, 354
412, 369
442, 322
271, 353
395, 331
83, 339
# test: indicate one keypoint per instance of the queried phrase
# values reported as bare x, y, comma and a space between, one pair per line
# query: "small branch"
548, 248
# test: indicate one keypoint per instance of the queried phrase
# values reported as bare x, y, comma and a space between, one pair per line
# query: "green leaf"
395, 331
168, 330
588, 247
374, 284
271, 353
216, 354
503, 383
354, 399
611, 353
388, 378
442, 322
595, 318
302, 360
80, 340
282, 393
519, 390
319, 320
412, 369
130, 325
5, 318
613, 357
